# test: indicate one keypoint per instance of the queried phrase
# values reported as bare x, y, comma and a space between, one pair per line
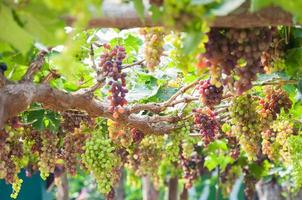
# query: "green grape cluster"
174, 140
274, 140
16, 187
48, 156
246, 124
101, 159
153, 49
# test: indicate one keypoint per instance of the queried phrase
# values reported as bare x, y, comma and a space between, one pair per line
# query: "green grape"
101, 159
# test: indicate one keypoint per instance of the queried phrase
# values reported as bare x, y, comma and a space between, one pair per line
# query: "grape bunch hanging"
210, 95
111, 67
274, 101
192, 166
206, 124
246, 124
153, 49
238, 54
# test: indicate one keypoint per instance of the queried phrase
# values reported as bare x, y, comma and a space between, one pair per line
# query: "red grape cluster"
238, 52
111, 66
73, 119
73, 148
33, 137
234, 146
192, 167
210, 94
207, 124
137, 135
11, 152
275, 99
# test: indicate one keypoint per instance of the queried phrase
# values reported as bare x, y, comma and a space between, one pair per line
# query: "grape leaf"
12, 33
140, 9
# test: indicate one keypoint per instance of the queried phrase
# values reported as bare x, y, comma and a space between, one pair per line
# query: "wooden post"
149, 192
173, 188
62, 186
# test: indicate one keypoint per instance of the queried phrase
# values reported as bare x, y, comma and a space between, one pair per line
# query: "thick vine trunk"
149, 192
62, 187
173, 188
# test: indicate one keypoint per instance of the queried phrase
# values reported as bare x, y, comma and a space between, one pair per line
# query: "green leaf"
12, 33
293, 62
191, 41
211, 162
259, 4
140, 9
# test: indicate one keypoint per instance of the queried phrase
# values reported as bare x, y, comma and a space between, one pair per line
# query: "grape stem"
35, 66
133, 64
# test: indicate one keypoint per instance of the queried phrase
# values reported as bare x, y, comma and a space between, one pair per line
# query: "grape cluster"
137, 135
11, 155
233, 145
206, 124
33, 139
111, 66
246, 124
146, 157
153, 49
192, 166
238, 52
73, 147
101, 159
73, 119
275, 100
274, 140
210, 95
49, 153
116, 130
